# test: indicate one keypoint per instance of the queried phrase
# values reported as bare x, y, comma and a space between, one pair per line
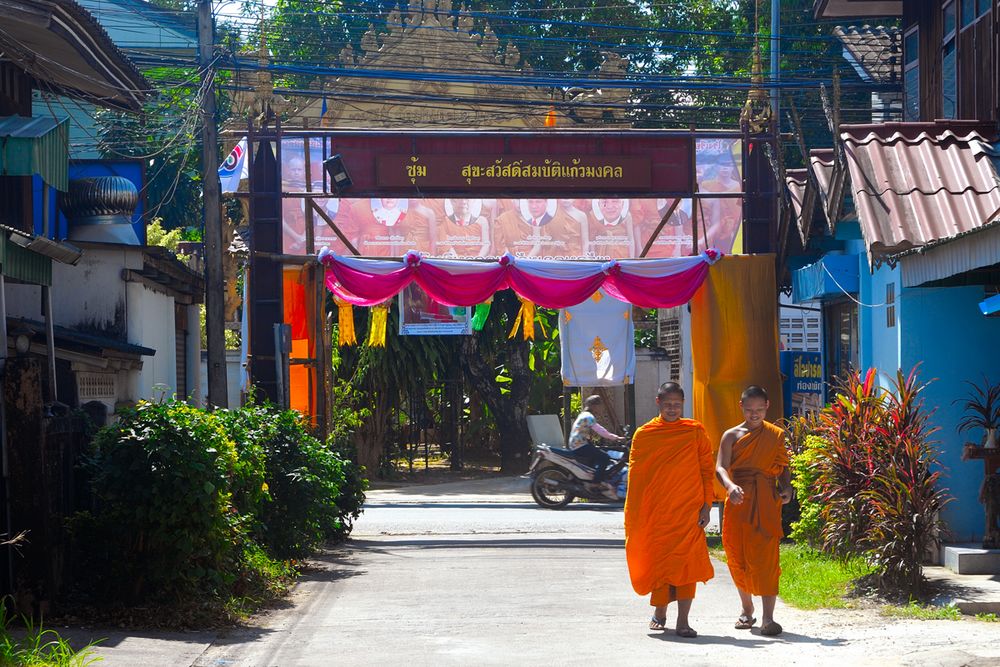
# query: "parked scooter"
558, 477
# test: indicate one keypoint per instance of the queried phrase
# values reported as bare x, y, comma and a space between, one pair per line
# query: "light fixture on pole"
335, 169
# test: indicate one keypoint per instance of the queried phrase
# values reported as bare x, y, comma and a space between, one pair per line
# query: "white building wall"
150, 319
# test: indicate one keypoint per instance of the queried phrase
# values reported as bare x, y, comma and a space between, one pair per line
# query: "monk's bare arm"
785, 489
707, 478
722, 464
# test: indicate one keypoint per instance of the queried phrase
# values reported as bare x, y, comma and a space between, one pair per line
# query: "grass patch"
35, 646
812, 580
987, 617
922, 612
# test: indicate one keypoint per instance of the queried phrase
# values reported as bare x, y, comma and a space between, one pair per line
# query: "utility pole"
775, 60
215, 313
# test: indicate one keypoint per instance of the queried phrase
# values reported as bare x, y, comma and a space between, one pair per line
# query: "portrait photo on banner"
422, 316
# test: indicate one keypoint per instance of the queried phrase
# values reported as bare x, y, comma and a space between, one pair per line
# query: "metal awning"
833, 275
31, 146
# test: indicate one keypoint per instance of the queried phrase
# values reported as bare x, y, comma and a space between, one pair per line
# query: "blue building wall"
943, 329
879, 342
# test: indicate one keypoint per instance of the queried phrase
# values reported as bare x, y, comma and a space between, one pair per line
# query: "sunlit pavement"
461, 575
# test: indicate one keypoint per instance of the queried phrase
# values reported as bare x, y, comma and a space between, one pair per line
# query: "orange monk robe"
670, 475
751, 530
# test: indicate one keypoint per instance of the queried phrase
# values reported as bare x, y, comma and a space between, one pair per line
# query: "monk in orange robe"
670, 494
752, 465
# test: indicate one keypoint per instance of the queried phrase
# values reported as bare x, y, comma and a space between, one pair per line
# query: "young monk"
753, 467
670, 494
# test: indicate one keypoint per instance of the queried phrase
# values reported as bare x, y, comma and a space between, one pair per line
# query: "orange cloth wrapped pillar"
751, 530
734, 343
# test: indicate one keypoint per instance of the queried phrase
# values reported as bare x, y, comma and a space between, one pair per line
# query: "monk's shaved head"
754, 391
669, 389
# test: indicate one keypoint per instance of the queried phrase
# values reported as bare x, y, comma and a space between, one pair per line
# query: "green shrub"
809, 526
163, 522
304, 481
195, 503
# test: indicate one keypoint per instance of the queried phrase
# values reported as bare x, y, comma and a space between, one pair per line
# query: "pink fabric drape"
654, 283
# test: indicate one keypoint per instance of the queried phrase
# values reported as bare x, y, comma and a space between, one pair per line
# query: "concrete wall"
945, 332
150, 319
234, 374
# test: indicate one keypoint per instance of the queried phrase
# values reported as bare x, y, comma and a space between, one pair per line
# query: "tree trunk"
371, 436
510, 409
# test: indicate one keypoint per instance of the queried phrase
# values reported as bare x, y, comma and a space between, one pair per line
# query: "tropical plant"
981, 407
877, 478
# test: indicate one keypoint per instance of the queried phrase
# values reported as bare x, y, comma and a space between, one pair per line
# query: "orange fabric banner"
734, 343
299, 311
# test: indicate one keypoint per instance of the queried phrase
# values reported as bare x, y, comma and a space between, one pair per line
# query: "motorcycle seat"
568, 453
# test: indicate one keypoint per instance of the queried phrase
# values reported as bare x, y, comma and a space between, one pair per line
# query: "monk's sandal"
657, 624
745, 622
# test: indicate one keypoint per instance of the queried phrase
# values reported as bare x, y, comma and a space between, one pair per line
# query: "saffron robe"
670, 475
751, 530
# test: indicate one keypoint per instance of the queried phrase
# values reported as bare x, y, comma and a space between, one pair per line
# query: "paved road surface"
462, 575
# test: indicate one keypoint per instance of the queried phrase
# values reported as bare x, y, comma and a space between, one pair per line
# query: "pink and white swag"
647, 283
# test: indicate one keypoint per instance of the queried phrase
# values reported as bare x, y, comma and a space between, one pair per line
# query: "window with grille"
890, 305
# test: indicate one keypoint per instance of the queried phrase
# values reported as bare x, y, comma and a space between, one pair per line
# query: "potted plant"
982, 410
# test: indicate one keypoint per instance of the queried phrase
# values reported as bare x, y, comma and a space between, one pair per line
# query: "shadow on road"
525, 542
751, 641
434, 504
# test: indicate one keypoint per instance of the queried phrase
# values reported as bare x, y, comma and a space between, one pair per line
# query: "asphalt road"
466, 575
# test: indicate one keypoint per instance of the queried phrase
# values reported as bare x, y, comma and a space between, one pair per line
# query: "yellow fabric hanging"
525, 319
734, 342
345, 323
376, 334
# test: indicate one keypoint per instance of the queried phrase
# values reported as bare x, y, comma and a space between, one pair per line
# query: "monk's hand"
735, 494
786, 495
704, 515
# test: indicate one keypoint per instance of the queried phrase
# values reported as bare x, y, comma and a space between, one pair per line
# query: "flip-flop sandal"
688, 633
657, 624
772, 629
745, 622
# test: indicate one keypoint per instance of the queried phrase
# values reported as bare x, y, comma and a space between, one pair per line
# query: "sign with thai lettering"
535, 172
803, 385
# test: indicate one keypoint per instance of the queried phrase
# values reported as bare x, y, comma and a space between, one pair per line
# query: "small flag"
550, 117
322, 111
235, 168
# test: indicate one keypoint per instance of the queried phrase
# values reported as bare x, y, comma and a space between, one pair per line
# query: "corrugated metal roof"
916, 183
876, 51
23, 264
35, 146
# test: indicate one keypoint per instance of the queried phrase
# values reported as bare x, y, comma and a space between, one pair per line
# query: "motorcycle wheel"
545, 483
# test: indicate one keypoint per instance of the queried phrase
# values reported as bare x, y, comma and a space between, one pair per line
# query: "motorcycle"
558, 476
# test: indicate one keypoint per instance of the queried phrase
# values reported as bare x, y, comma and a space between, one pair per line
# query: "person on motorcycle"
582, 438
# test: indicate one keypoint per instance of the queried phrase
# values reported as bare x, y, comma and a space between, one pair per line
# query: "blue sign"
803, 384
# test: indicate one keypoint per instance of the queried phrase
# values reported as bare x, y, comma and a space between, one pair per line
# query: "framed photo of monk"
420, 315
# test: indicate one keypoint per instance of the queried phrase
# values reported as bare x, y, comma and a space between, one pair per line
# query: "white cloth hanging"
597, 342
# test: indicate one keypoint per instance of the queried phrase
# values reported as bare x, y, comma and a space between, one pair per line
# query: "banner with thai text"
563, 227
